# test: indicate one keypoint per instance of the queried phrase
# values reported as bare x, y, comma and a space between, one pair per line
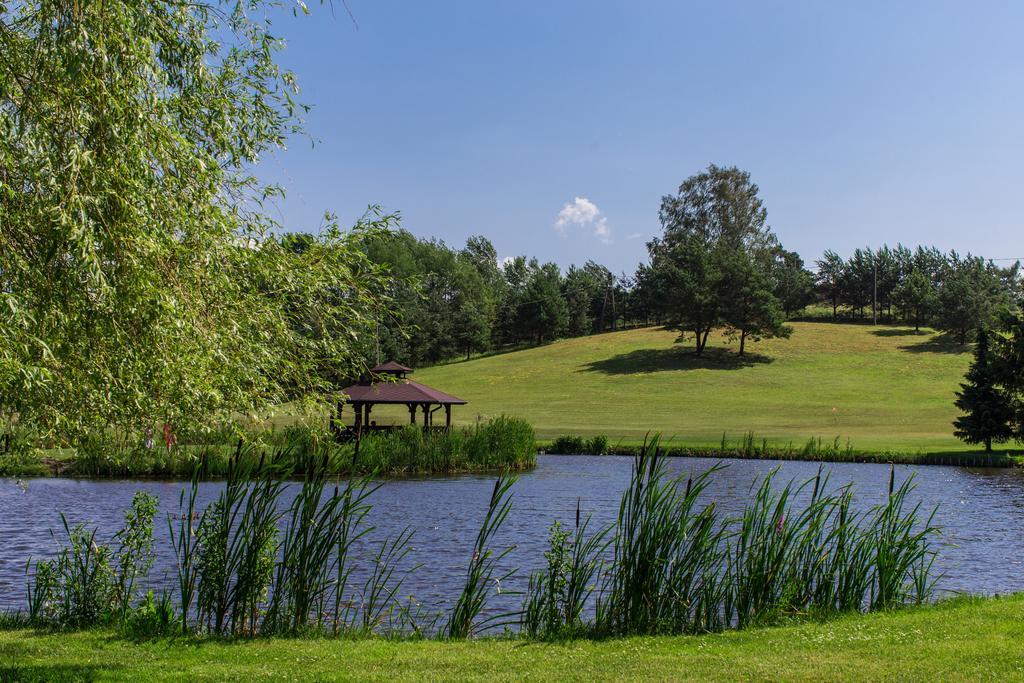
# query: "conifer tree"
988, 412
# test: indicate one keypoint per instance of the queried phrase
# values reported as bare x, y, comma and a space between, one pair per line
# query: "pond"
979, 510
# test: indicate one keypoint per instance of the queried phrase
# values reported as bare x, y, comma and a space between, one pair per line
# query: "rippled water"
980, 511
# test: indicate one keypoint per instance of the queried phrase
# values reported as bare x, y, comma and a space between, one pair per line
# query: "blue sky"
862, 123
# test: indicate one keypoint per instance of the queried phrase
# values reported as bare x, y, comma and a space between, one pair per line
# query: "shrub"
502, 443
88, 583
151, 618
597, 445
568, 445
577, 445
556, 596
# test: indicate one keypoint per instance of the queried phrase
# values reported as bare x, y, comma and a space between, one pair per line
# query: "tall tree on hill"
542, 313
516, 275
829, 279
987, 408
792, 284
974, 294
748, 304
916, 297
481, 254
579, 289
602, 296
686, 285
858, 280
1008, 350
714, 231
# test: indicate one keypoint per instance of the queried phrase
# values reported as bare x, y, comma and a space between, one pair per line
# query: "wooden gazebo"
388, 384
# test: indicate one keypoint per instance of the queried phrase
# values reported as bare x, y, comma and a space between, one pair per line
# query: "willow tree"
139, 277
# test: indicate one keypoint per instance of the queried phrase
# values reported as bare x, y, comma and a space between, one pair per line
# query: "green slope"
883, 388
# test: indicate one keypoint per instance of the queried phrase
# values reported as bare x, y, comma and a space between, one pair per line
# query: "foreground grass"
882, 388
962, 639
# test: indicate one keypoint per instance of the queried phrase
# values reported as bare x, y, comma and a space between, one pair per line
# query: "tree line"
953, 293
716, 266
451, 302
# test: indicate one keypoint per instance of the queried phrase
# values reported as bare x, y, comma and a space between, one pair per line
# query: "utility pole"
874, 299
613, 304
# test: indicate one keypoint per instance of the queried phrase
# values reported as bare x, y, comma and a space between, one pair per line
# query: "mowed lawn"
969, 639
883, 388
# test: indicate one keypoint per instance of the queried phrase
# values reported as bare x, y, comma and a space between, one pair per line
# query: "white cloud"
634, 235
583, 213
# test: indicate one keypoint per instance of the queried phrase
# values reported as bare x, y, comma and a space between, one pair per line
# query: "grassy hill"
883, 388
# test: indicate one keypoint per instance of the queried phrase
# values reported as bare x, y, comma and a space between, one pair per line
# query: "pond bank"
966, 638
496, 445
815, 450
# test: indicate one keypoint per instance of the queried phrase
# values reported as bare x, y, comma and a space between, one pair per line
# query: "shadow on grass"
944, 343
660, 360
54, 672
899, 332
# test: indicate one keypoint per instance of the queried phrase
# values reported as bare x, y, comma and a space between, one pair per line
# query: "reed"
666, 572
502, 443
557, 596
247, 576
250, 564
183, 541
316, 535
678, 567
577, 445
463, 621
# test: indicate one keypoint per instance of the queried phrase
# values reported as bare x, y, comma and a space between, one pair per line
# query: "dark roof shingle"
402, 391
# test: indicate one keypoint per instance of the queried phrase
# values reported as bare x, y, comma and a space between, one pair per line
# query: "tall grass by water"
497, 444
252, 565
680, 567
752, 447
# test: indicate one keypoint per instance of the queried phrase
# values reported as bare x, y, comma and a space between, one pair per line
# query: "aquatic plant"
666, 574
680, 568
480, 573
557, 595
88, 582
251, 564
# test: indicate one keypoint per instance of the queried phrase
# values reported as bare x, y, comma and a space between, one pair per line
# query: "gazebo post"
447, 416
412, 413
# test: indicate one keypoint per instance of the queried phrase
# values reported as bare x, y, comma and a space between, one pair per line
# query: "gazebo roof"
400, 390
391, 367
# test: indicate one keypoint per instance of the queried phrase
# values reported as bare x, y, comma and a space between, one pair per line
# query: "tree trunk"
988, 444
835, 308
743, 341
700, 338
